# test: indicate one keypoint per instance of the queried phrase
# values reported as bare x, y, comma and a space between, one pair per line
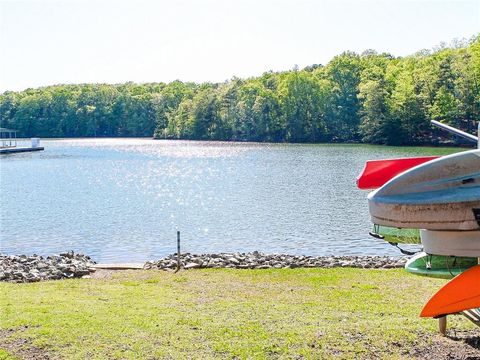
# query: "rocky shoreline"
258, 260
33, 268
23, 268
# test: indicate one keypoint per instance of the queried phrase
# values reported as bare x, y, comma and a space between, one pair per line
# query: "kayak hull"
440, 267
440, 216
378, 172
442, 194
396, 235
451, 243
459, 294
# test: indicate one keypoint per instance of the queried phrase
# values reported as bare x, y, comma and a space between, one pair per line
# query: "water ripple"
124, 199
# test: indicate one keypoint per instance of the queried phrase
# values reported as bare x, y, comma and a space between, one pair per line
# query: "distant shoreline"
445, 144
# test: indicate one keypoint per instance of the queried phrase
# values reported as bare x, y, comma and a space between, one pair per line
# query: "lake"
124, 199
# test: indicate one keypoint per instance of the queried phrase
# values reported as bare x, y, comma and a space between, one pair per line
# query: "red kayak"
459, 294
377, 172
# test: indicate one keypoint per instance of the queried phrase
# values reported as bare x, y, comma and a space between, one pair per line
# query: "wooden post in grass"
442, 325
178, 252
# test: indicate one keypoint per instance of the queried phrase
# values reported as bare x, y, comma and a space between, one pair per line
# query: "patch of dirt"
102, 274
21, 348
130, 274
457, 345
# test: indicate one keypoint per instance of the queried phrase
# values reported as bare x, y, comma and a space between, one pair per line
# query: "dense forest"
368, 97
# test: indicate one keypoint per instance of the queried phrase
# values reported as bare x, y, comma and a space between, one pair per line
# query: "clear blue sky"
74, 41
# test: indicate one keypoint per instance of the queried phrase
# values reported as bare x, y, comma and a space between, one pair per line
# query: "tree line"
368, 97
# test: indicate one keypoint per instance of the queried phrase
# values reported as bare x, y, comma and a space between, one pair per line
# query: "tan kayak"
442, 194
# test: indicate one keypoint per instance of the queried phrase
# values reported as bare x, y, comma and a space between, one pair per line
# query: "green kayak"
437, 266
396, 235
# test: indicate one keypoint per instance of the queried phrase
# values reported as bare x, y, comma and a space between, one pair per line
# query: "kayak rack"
473, 314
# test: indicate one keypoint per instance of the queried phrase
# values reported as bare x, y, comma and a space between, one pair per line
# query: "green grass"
5, 355
246, 314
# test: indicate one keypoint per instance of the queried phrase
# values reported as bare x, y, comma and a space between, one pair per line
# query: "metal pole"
178, 252
455, 131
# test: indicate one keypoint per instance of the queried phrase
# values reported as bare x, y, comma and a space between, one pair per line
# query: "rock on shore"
258, 260
23, 268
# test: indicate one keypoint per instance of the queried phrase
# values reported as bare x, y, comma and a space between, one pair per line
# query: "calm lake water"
124, 199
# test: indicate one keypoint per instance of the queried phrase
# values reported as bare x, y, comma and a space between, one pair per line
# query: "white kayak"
451, 243
442, 194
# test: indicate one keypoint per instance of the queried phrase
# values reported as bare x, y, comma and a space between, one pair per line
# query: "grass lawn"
221, 313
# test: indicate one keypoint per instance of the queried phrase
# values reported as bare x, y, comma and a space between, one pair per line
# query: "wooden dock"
119, 266
13, 150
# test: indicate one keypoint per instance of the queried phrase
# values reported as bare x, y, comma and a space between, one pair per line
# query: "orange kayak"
459, 294
378, 172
